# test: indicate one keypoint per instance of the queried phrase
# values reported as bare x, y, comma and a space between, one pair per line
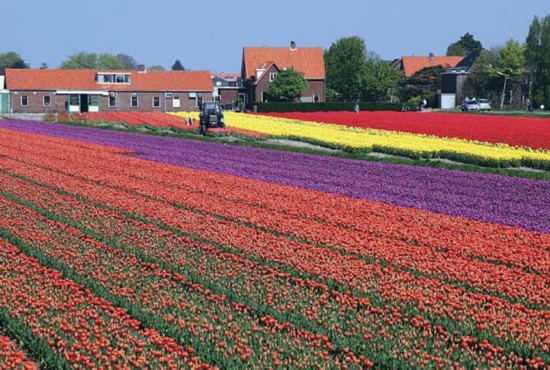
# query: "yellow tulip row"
415, 145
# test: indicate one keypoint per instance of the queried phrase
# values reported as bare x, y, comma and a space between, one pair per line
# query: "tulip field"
126, 250
486, 141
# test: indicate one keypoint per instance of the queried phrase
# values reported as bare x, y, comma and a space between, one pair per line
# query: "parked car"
484, 104
470, 106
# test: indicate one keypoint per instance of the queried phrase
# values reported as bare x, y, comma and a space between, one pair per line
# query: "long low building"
58, 90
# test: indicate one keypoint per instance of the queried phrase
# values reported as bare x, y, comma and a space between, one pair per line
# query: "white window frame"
153, 102
44, 101
132, 101
26, 97
176, 102
113, 78
272, 76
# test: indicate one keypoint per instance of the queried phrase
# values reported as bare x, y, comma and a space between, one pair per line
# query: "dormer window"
113, 78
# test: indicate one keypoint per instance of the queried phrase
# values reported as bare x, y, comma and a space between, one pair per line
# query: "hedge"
323, 107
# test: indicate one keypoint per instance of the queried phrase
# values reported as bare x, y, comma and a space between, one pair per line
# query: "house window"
176, 102
113, 78
74, 100
134, 102
24, 100
94, 100
47, 101
156, 101
272, 76
112, 99
264, 96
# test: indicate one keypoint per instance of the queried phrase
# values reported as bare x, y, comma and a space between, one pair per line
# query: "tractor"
211, 116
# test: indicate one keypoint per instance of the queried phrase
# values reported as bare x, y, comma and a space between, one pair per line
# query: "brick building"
260, 66
57, 90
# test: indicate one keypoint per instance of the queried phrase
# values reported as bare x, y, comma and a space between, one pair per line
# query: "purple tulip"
484, 197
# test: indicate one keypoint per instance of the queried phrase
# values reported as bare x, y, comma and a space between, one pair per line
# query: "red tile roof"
309, 61
411, 65
82, 79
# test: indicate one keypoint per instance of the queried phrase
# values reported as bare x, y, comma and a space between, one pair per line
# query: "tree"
495, 69
11, 60
128, 62
464, 46
92, 61
109, 61
423, 84
344, 63
177, 66
537, 60
481, 79
379, 80
43, 65
156, 67
287, 86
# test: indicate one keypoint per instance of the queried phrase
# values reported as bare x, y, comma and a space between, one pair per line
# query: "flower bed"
528, 132
239, 272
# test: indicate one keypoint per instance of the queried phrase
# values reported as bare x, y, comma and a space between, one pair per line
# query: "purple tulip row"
484, 197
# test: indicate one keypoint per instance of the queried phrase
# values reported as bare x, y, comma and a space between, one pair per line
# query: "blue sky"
210, 34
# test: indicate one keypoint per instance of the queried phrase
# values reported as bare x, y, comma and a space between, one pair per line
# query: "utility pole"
503, 89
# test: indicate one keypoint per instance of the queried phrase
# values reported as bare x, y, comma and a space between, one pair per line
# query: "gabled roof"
309, 61
411, 65
84, 79
266, 67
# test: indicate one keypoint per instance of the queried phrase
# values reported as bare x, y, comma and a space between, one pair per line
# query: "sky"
210, 34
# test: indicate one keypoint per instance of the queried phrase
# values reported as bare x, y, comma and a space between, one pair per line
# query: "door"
4, 103
84, 103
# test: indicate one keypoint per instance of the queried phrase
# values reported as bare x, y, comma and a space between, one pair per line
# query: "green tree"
128, 62
287, 86
379, 81
537, 60
482, 81
11, 60
156, 67
92, 61
496, 72
464, 46
109, 61
423, 84
345, 64
177, 66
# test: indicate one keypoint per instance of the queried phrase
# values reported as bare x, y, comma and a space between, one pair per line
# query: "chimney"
293, 45
141, 68
432, 55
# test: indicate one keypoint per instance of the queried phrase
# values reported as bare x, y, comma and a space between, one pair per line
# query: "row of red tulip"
249, 281
83, 330
533, 132
162, 295
12, 357
109, 170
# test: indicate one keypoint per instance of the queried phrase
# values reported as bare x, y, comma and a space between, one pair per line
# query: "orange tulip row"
232, 219
83, 330
11, 357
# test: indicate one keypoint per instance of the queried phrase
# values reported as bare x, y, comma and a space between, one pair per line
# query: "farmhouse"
412, 64
56, 90
260, 66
